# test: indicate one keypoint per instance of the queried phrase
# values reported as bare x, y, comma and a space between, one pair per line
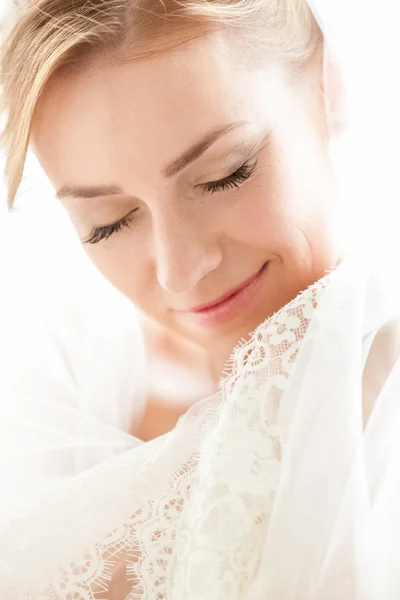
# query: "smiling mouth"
228, 306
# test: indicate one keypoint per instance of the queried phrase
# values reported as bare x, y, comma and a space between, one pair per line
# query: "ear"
332, 89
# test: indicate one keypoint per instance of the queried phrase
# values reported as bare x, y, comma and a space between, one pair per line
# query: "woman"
182, 237
189, 142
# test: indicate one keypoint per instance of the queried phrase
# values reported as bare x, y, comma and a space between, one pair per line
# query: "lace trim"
202, 537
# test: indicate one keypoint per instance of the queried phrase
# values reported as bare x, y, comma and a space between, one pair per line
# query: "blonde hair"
49, 35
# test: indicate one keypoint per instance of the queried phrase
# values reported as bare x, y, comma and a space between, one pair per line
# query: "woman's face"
199, 186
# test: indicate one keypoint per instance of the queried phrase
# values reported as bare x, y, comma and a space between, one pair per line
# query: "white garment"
272, 489
71, 351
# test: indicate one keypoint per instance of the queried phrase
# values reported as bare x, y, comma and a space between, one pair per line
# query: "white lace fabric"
271, 489
148, 552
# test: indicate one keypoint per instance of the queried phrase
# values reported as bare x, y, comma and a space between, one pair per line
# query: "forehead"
108, 117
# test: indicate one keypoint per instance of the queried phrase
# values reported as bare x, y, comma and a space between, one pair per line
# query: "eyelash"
233, 181
103, 233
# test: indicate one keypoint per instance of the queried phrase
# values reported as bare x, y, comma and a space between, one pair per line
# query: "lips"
227, 295
228, 306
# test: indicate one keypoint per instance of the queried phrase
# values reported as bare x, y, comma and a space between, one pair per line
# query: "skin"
120, 125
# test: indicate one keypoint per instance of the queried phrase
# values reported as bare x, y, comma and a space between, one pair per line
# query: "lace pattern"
202, 535
240, 463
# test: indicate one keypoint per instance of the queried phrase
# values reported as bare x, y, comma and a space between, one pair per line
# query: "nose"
185, 253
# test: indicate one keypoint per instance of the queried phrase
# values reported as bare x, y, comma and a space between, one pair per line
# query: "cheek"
259, 215
128, 271
279, 211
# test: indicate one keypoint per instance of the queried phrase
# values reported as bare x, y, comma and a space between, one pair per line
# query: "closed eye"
232, 181
99, 234
242, 174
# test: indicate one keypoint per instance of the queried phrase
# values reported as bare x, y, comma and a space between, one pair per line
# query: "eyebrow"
199, 148
79, 191
173, 168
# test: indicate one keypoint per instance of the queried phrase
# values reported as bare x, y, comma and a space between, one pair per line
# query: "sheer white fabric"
72, 361
273, 488
284, 485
